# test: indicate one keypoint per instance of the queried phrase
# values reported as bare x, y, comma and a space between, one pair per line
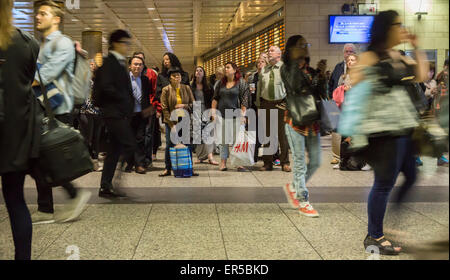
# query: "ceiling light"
151, 9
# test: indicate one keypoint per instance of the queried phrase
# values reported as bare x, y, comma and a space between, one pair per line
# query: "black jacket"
335, 76
163, 81
113, 92
19, 139
146, 91
207, 94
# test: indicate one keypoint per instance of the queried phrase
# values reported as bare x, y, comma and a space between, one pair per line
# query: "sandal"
165, 173
242, 169
212, 162
223, 169
383, 250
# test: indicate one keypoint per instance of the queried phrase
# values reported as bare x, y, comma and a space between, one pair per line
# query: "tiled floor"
210, 176
232, 215
226, 231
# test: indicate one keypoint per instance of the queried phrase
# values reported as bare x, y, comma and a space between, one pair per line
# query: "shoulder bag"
63, 156
302, 106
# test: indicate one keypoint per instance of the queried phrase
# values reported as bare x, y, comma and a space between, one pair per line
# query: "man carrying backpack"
56, 69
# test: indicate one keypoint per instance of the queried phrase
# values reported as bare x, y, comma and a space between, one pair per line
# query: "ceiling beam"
197, 11
238, 17
154, 15
120, 24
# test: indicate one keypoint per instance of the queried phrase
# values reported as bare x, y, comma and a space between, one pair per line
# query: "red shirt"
152, 77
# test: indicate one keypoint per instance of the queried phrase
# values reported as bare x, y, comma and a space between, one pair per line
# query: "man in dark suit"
141, 87
340, 69
113, 94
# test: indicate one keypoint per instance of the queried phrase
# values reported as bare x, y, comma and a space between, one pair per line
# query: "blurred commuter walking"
302, 130
387, 123
19, 141
113, 94
56, 66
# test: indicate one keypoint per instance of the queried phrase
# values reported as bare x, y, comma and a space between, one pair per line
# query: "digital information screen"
350, 29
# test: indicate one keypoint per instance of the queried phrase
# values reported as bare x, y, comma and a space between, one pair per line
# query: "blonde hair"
220, 69
6, 26
354, 55
265, 58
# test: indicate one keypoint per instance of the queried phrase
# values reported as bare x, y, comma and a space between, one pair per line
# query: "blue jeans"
388, 157
227, 130
302, 172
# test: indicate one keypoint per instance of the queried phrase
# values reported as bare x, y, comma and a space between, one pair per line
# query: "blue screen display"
350, 29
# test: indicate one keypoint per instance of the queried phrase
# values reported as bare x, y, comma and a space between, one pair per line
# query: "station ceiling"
188, 28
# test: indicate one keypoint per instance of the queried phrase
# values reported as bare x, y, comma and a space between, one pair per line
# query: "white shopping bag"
242, 153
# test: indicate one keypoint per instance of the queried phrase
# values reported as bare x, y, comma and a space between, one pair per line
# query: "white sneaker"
307, 210
336, 166
366, 168
74, 208
40, 218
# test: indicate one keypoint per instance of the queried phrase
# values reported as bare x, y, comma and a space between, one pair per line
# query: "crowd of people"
121, 118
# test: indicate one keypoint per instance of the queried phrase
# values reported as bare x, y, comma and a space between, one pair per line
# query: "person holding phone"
390, 147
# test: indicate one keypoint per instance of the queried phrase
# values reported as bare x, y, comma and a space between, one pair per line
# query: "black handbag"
63, 155
329, 115
302, 108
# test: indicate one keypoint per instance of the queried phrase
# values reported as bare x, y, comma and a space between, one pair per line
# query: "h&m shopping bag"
242, 153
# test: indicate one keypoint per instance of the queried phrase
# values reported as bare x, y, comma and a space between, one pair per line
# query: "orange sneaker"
307, 210
290, 196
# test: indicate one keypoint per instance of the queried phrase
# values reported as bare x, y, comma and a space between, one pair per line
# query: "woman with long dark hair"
299, 79
169, 61
19, 140
232, 93
390, 119
203, 93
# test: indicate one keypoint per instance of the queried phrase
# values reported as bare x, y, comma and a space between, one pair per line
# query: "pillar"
91, 41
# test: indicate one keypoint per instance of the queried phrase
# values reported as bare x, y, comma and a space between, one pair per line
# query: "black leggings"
19, 216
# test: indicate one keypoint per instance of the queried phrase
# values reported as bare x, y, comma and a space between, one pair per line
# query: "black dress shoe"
110, 193
128, 169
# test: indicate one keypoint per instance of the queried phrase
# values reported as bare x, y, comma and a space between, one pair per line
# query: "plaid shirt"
305, 130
